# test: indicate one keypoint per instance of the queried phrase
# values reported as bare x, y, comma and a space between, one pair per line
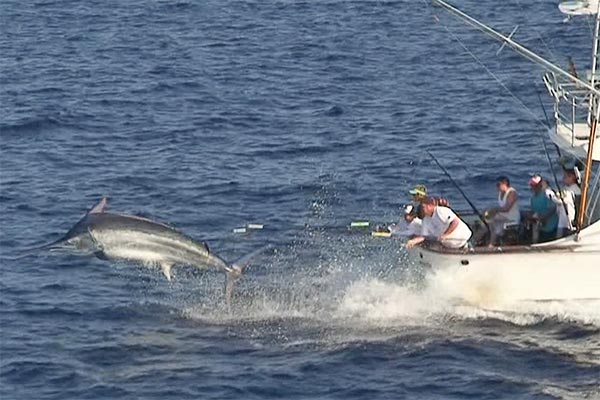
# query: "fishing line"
545, 125
459, 189
590, 26
560, 192
547, 121
517, 100
495, 77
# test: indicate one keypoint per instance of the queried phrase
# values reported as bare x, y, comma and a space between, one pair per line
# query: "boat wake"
343, 297
332, 290
381, 302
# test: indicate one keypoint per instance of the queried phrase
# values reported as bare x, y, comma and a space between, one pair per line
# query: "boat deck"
574, 138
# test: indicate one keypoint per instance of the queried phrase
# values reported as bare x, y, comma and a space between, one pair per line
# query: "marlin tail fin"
235, 270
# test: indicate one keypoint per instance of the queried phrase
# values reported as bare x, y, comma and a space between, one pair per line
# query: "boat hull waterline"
564, 269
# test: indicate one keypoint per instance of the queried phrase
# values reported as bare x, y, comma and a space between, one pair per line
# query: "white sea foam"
338, 308
368, 300
443, 296
376, 300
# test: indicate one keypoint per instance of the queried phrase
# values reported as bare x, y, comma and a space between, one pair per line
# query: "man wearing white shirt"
570, 196
442, 224
507, 213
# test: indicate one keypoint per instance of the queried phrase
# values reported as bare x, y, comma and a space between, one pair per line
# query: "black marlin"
131, 238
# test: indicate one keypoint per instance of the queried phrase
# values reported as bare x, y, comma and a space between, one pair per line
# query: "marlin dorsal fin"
100, 207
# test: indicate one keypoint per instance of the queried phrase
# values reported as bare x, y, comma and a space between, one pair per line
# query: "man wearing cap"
411, 226
544, 210
419, 194
443, 225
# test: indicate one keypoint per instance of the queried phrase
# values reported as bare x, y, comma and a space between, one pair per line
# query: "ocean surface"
300, 115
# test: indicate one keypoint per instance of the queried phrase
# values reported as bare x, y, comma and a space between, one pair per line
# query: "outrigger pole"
460, 190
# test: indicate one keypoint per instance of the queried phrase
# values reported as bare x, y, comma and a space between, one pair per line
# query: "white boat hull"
570, 273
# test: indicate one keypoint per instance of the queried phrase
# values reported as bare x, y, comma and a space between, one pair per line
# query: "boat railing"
571, 105
561, 88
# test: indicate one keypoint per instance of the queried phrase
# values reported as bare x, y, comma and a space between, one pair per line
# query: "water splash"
372, 296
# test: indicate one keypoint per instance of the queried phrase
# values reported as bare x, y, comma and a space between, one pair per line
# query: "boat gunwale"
511, 249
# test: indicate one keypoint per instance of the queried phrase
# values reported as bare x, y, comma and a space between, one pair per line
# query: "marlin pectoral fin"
166, 269
96, 246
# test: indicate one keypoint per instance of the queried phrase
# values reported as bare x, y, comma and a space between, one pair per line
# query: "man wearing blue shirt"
543, 209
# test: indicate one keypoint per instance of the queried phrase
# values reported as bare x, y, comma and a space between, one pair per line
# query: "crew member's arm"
451, 228
415, 241
442, 201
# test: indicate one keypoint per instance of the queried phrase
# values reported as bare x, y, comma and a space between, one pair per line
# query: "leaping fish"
111, 236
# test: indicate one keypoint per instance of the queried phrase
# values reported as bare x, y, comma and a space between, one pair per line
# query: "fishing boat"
563, 269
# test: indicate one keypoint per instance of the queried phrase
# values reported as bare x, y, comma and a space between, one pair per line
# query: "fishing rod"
549, 126
560, 193
459, 189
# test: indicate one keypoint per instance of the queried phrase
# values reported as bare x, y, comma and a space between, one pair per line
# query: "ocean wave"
29, 126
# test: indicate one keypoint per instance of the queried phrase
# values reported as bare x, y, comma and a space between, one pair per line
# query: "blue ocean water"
300, 115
